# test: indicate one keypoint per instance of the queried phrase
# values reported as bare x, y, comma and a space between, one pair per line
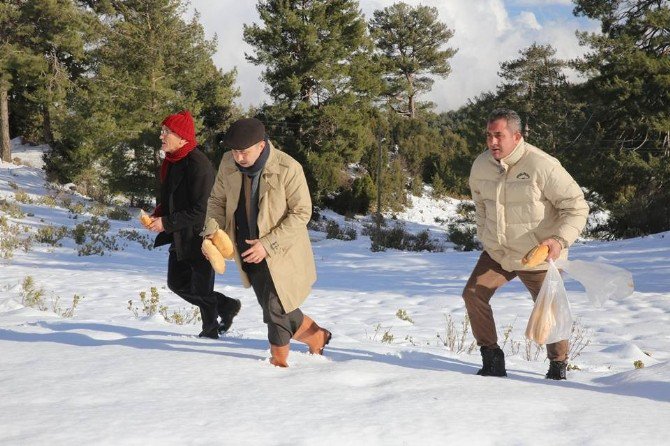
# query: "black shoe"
211, 333
557, 370
210, 323
227, 307
493, 361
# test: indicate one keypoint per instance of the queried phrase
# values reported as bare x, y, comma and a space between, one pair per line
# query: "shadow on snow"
169, 341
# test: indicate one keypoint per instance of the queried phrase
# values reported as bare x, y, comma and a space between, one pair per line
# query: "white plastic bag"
601, 281
551, 319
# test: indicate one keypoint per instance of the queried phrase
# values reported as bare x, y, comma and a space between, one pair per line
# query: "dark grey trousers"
281, 325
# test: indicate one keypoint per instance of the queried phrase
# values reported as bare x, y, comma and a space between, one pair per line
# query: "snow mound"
628, 351
648, 382
9, 304
658, 372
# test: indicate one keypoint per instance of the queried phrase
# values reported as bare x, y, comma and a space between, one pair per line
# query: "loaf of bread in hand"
145, 219
214, 256
223, 243
536, 256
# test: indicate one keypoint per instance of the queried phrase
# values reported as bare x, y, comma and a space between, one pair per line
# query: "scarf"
250, 179
177, 155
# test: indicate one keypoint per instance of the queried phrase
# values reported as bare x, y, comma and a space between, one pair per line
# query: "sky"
107, 376
487, 32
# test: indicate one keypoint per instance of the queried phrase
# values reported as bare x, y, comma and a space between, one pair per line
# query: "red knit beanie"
182, 124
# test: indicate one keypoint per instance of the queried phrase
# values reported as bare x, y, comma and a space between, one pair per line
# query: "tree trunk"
158, 162
6, 148
411, 93
47, 132
412, 107
379, 182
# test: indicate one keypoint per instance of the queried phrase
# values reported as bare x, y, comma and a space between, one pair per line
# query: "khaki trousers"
486, 278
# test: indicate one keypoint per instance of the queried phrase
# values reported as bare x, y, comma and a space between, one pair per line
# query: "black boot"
493, 360
210, 324
209, 333
557, 370
227, 307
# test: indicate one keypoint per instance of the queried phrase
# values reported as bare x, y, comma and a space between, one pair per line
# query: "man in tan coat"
523, 198
261, 200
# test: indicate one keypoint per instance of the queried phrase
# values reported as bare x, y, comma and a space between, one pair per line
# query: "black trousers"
193, 281
281, 325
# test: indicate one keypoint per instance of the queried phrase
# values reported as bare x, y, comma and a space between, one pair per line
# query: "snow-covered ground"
28, 155
105, 376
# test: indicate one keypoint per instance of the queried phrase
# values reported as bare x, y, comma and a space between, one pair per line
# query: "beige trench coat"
522, 200
284, 208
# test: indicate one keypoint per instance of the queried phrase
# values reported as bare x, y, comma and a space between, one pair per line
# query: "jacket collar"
512, 158
271, 165
269, 176
515, 156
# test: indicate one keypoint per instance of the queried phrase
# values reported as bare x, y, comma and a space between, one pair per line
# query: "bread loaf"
223, 243
541, 322
536, 256
214, 256
145, 219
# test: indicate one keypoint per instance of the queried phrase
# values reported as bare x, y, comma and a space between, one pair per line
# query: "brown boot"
279, 354
314, 336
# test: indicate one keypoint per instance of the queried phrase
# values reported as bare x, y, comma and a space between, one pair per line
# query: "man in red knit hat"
187, 177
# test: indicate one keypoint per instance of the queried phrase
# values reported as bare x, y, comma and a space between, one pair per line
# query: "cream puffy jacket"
522, 200
284, 209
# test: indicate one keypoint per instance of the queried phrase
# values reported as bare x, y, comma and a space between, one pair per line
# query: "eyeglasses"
165, 131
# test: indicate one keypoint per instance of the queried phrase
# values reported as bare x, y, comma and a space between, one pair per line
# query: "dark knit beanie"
244, 133
181, 124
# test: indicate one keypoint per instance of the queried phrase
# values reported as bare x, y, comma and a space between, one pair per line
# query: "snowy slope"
108, 377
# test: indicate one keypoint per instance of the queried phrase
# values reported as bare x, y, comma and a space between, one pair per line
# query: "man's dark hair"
512, 118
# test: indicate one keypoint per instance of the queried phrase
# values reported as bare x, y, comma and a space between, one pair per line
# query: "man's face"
171, 142
500, 140
247, 157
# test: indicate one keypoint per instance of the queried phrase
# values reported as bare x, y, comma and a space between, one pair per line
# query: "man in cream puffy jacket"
523, 198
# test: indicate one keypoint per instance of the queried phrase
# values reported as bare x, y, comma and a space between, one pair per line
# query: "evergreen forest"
94, 78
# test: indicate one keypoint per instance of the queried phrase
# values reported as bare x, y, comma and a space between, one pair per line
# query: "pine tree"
627, 139
43, 52
319, 73
151, 63
452, 162
10, 27
535, 86
630, 66
15, 60
411, 43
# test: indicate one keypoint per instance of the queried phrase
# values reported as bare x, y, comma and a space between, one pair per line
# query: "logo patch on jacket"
523, 176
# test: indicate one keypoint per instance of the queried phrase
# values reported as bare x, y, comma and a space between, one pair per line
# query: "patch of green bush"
51, 235
334, 231
397, 237
463, 231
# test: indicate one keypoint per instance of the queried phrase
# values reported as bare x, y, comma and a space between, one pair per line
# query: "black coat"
184, 195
